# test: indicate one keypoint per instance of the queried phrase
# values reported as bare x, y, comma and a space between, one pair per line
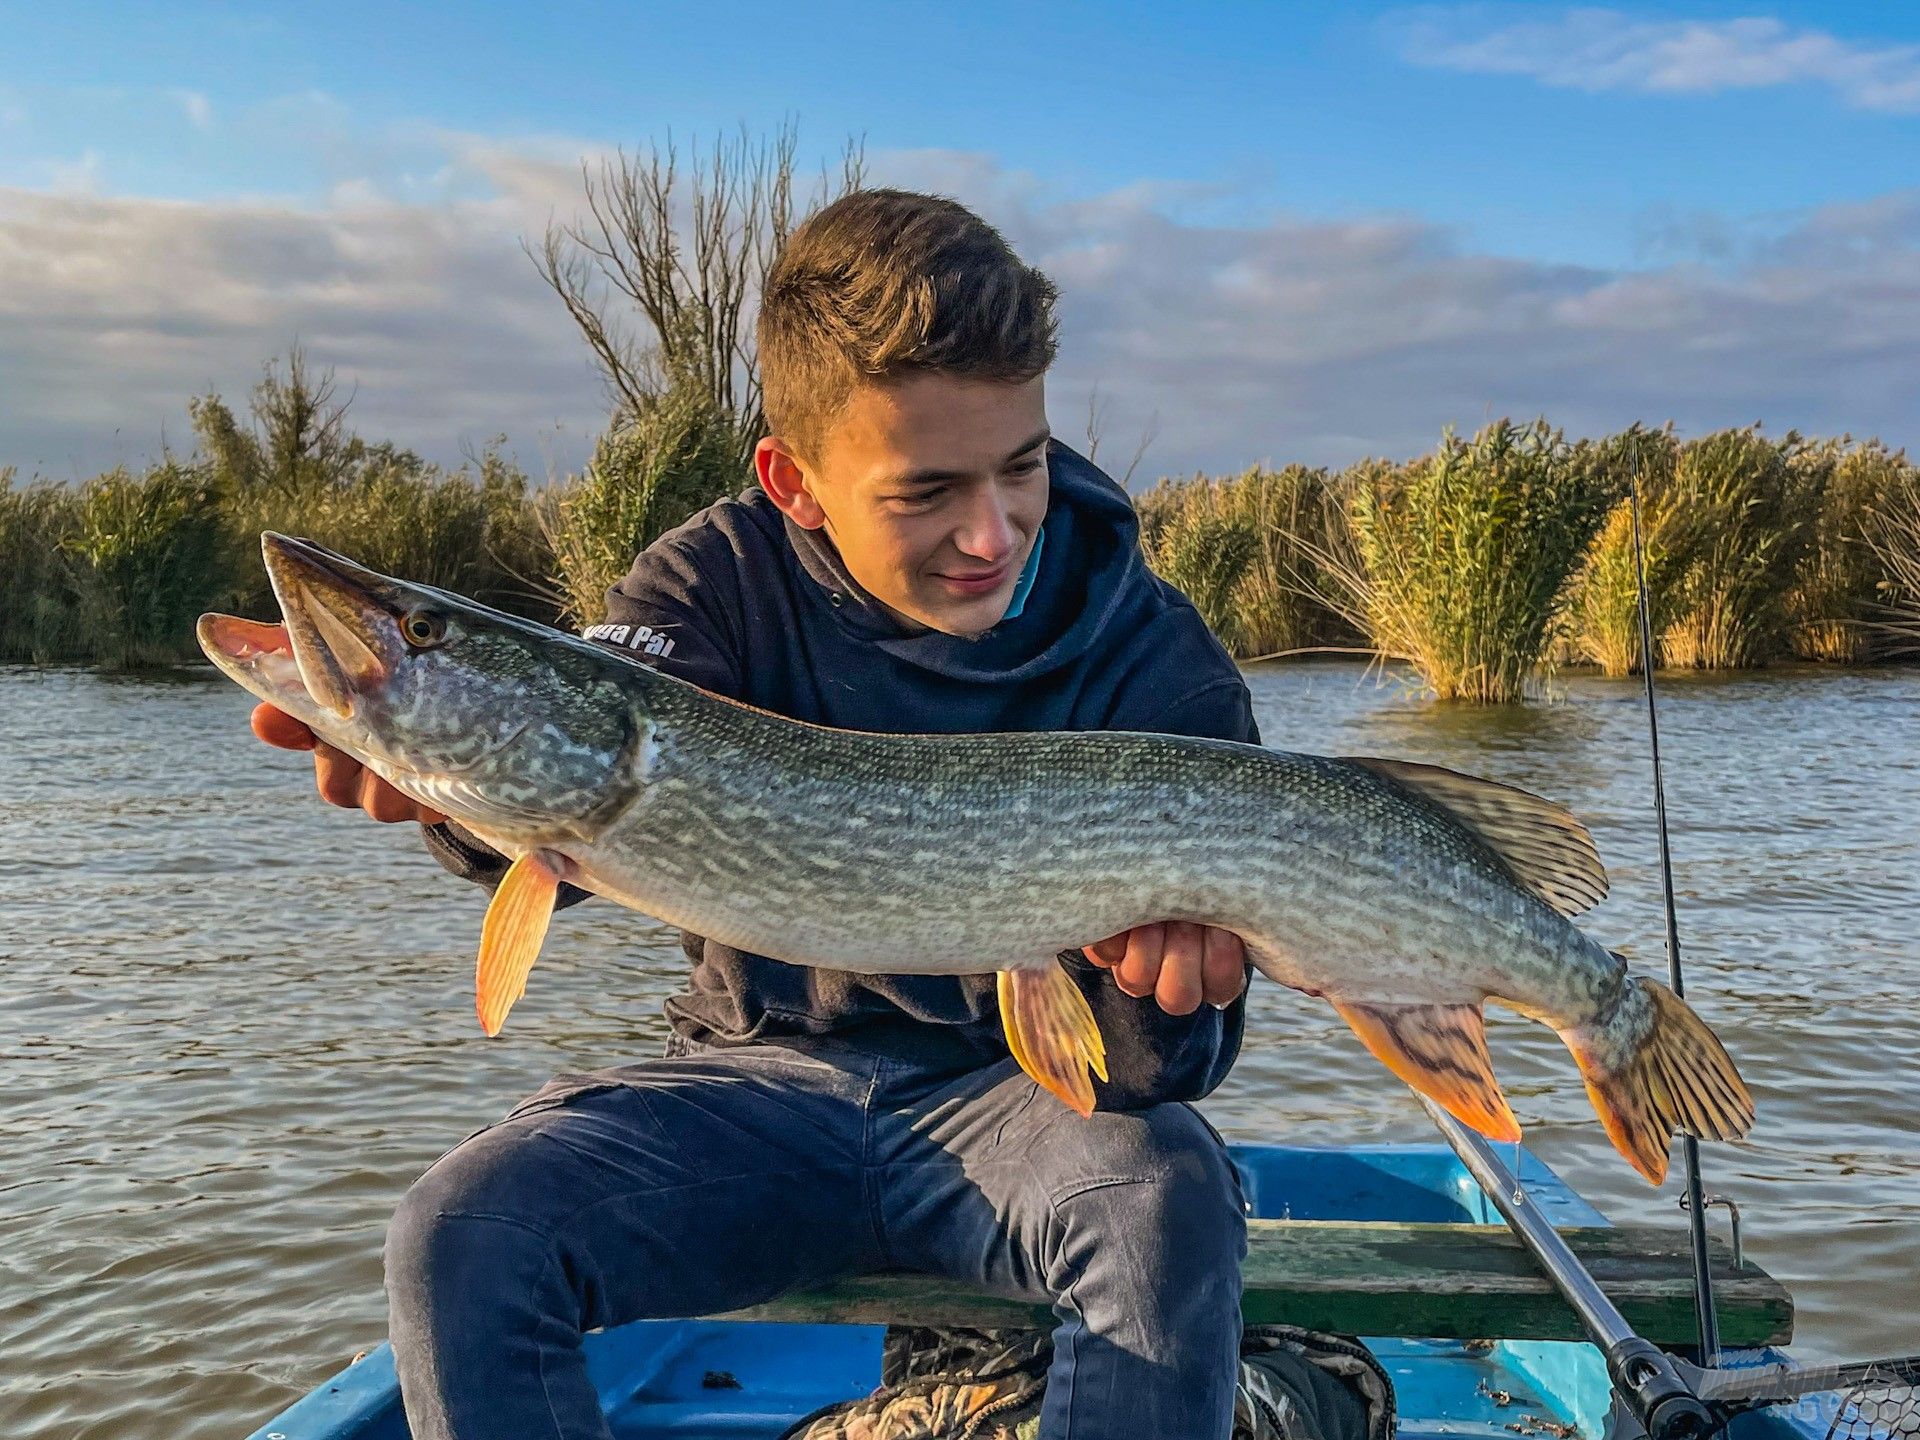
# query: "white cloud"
196, 107
80, 176
1291, 339
1597, 49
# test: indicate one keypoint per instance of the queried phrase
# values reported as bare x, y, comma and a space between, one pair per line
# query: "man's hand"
343, 780
1177, 962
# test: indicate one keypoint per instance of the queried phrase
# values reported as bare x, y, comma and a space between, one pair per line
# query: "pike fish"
1405, 895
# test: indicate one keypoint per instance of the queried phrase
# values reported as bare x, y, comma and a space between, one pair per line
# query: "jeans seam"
869, 1182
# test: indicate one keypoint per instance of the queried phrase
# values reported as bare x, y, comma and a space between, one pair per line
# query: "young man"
918, 556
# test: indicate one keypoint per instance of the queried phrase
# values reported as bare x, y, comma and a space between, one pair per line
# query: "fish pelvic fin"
1652, 1067
1052, 1033
511, 936
1441, 1051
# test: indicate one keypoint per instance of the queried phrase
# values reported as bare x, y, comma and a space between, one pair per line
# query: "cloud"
1597, 50
196, 107
1289, 339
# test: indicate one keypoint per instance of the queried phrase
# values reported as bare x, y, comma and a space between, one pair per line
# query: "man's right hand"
343, 780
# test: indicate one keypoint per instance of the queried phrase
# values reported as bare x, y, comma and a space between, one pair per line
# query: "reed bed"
1483, 563
1248, 550
647, 475
1459, 559
1603, 609
1837, 605
1745, 521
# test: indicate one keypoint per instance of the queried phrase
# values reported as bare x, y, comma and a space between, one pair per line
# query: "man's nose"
986, 533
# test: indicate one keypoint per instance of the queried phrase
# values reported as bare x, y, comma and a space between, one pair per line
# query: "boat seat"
1434, 1281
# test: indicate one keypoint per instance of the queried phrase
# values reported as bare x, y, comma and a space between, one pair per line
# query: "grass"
1457, 561
150, 558
41, 616
1483, 562
1836, 600
646, 476
1245, 548
1603, 609
1745, 521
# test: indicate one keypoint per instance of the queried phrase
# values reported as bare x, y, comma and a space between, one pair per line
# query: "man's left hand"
1177, 962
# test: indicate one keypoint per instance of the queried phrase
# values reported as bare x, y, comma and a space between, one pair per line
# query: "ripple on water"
238, 1023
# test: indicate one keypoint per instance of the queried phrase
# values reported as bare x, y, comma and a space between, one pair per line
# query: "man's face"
932, 489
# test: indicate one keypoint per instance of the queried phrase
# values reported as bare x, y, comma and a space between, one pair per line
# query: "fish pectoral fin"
1052, 1033
1548, 851
511, 936
1441, 1051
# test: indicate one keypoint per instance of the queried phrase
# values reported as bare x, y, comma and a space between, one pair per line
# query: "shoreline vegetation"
1484, 564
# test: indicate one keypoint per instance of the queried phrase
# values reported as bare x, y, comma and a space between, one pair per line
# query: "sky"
1310, 231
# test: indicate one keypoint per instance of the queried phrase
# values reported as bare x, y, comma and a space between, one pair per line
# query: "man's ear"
785, 478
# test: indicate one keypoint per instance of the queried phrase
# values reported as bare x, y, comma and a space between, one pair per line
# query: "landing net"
1868, 1400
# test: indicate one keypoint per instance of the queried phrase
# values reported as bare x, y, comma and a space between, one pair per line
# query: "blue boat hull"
705, 1379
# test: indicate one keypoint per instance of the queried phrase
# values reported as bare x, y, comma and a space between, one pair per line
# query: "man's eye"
1026, 467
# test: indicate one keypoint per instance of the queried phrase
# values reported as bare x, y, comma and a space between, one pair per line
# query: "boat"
1401, 1244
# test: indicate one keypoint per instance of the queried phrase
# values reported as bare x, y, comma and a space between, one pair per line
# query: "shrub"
646, 476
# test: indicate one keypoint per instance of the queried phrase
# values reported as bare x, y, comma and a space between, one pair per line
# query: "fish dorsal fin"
1548, 851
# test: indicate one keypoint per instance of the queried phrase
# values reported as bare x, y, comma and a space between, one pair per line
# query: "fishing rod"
1653, 1384
1661, 1390
1671, 1398
1707, 1317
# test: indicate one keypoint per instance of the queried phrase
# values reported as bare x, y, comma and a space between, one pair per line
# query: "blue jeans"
722, 1178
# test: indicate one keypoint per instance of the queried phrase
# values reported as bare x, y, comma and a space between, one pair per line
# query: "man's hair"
882, 284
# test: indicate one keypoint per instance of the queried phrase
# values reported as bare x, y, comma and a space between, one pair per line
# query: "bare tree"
1096, 424
660, 274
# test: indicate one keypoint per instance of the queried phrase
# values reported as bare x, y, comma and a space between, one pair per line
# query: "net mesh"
1872, 1400
1882, 1405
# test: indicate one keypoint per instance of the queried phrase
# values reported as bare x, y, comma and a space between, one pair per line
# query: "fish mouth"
337, 617
258, 655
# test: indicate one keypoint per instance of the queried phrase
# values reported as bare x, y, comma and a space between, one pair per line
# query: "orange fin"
1441, 1051
510, 939
1052, 1033
1654, 1067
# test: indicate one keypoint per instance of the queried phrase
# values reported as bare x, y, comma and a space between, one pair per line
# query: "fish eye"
423, 628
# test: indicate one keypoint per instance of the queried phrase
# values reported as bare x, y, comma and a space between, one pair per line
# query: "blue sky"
1566, 149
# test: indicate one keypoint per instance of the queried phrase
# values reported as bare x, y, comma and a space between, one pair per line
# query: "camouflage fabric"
988, 1385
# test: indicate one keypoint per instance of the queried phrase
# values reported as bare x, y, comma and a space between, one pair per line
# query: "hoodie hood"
1087, 570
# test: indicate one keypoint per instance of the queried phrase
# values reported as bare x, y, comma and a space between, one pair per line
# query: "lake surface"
238, 1022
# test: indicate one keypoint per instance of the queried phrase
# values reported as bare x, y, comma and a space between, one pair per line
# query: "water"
237, 1022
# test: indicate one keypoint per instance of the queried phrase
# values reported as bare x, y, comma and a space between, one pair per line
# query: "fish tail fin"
1052, 1033
1652, 1067
511, 936
1441, 1051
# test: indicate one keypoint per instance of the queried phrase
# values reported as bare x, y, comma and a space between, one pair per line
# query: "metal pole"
1706, 1316
1647, 1378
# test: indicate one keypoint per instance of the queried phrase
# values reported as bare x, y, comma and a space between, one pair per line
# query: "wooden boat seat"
1440, 1281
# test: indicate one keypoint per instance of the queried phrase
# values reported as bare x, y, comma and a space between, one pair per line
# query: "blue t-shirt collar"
1028, 575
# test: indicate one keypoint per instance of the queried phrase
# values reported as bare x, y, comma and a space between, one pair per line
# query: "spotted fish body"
1406, 895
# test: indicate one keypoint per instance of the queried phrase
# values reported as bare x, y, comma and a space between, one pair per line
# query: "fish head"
511, 727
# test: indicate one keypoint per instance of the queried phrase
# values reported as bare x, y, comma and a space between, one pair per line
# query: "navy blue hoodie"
743, 602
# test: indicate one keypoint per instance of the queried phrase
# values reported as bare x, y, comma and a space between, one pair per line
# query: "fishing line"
1708, 1317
